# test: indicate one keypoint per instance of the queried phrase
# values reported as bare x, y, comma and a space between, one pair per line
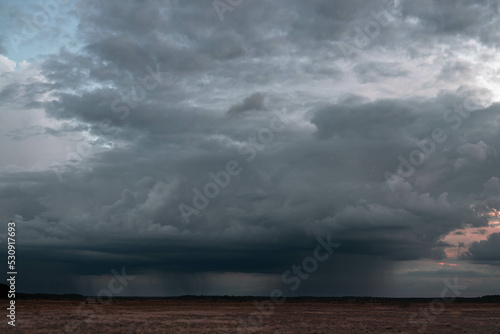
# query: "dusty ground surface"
169, 316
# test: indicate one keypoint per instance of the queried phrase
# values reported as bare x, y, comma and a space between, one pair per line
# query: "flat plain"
39, 316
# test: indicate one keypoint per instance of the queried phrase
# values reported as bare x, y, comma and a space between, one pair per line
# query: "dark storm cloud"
486, 251
321, 174
313, 181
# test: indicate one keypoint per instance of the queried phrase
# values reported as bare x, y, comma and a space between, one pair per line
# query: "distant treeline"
349, 299
4, 290
346, 299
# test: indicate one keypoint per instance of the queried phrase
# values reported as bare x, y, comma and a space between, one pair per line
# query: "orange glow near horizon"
461, 239
448, 264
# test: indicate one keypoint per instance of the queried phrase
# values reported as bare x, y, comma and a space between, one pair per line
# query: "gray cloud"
2, 47
253, 102
376, 71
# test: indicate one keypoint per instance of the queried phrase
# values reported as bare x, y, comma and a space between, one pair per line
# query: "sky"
216, 147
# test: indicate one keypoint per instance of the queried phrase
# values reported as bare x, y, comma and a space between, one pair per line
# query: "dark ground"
240, 315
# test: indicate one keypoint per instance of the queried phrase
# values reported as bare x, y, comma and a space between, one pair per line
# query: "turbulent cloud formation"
372, 122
